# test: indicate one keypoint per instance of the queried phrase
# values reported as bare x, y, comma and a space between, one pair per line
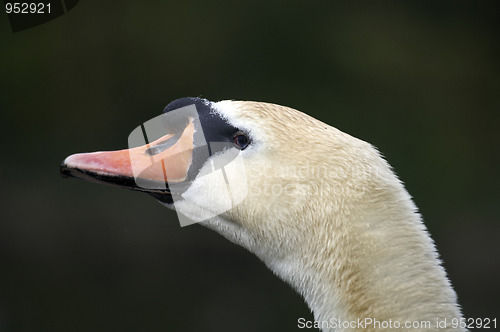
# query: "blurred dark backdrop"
420, 80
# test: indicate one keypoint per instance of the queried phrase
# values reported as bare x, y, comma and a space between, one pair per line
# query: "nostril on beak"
163, 145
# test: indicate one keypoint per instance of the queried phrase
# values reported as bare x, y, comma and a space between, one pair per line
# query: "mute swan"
322, 209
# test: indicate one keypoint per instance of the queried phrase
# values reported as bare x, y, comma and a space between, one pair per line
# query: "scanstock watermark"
362, 323
373, 323
28, 14
179, 135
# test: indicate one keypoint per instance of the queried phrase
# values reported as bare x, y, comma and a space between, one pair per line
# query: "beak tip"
65, 167
71, 164
112, 163
64, 170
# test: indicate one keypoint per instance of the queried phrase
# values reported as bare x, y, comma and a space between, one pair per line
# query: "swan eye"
241, 141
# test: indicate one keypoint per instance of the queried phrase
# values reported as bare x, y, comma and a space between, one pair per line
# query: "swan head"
238, 167
320, 208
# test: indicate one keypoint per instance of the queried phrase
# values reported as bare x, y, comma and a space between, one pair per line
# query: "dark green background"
420, 80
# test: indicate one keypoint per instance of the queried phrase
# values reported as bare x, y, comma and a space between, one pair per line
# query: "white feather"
341, 229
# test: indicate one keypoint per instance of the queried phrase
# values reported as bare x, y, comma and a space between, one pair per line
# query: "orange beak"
165, 160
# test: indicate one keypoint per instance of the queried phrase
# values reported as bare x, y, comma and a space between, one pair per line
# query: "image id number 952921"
27, 8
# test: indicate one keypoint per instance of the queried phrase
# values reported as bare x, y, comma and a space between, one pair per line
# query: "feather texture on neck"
326, 213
